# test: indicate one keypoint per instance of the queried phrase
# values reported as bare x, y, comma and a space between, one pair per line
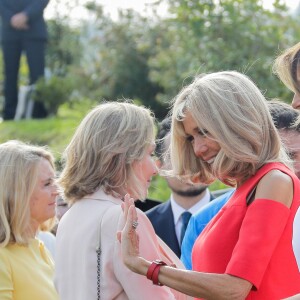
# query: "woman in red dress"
221, 128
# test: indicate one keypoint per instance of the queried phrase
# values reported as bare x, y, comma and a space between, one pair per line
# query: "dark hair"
164, 128
283, 115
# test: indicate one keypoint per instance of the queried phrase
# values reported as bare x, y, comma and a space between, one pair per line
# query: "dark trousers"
35, 54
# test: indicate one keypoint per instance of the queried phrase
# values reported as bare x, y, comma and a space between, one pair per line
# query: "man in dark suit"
170, 219
23, 29
146, 204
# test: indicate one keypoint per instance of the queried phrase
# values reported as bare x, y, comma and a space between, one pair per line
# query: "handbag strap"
98, 252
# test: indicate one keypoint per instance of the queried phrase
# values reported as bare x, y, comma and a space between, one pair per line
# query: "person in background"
287, 122
222, 128
287, 67
27, 200
109, 156
47, 237
285, 119
61, 207
145, 205
197, 224
171, 218
23, 29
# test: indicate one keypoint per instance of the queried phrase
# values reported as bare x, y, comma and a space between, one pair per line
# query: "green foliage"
159, 189
115, 60
55, 132
53, 92
64, 48
210, 35
149, 60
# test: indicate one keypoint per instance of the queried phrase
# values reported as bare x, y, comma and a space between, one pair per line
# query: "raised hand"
128, 236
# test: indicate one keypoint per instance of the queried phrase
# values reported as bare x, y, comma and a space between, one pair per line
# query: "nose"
200, 146
296, 101
55, 191
155, 168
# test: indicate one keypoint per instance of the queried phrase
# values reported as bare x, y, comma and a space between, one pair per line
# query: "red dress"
254, 242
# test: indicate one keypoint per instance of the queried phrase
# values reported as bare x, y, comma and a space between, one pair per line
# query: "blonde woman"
27, 199
109, 156
287, 68
221, 128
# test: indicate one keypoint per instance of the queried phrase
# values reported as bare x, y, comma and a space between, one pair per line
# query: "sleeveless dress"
257, 242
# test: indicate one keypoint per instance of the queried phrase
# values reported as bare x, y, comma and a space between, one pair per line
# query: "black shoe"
39, 111
8, 118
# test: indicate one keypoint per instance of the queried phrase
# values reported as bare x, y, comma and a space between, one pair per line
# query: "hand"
128, 237
19, 21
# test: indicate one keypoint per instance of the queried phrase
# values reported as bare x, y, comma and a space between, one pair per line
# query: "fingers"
119, 236
129, 238
130, 218
128, 222
128, 199
127, 202
134, 212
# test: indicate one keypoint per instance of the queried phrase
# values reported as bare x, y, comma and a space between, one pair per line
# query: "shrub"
53, 92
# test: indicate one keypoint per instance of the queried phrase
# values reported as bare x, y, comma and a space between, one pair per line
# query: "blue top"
196, 225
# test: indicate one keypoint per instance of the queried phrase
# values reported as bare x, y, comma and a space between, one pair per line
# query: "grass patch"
54, 132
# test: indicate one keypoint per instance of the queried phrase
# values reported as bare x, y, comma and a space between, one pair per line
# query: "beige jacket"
76, 260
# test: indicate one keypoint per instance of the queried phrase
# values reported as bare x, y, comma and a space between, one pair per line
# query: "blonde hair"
234, 112
286, 65
18, 176
101, 153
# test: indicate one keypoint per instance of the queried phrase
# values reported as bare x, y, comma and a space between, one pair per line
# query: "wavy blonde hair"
18, 176
235, 113
102, 151
286, 65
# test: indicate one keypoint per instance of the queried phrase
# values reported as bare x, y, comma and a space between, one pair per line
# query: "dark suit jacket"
146, 204
34, 10
162, 219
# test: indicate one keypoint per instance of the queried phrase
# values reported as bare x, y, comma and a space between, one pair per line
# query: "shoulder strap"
98, 251
251, 196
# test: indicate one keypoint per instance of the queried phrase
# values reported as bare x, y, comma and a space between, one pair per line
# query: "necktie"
185, 216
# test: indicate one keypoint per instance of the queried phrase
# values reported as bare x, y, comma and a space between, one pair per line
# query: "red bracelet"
153, 271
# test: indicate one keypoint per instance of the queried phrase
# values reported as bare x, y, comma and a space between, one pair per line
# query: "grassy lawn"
56, 132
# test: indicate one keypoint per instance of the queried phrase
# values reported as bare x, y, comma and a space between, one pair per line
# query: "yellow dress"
26, 272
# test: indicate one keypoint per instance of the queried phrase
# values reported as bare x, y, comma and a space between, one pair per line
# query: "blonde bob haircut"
18, 176
103, 149
286, 66
235, 114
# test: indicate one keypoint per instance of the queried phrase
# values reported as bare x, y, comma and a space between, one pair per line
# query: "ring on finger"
135, 224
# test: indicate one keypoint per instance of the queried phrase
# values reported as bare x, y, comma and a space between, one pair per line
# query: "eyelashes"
201, 132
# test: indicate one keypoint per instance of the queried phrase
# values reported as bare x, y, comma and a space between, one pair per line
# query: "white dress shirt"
178, 210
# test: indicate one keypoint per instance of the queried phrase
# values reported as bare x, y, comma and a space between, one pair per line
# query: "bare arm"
276, 186
196, 284
295, 297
